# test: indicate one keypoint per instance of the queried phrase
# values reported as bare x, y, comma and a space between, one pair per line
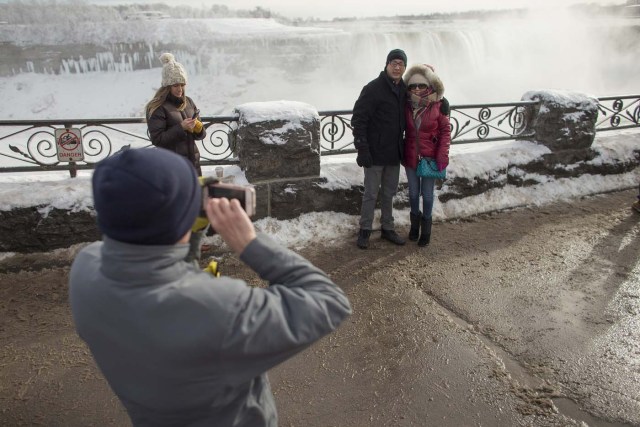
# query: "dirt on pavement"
522, 317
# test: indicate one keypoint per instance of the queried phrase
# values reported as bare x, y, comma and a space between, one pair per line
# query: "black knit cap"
146, 196
396, 54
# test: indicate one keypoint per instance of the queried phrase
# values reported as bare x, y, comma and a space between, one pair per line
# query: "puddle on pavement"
565, 406
570, 409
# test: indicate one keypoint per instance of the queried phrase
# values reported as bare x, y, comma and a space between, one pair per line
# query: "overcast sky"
328, 9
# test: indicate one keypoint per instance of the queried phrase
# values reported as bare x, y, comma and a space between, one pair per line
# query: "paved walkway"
527, 317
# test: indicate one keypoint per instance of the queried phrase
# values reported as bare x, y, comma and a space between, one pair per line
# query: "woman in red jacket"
427, 134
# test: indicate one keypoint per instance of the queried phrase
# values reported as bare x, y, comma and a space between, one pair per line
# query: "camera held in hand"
214, 189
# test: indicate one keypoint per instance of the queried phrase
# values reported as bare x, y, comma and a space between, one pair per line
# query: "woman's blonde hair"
160, 97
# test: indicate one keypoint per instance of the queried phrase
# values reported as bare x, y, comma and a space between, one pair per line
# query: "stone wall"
281, 158
28, 230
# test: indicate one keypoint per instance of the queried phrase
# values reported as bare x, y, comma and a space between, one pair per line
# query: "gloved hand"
200, 224
198, 127
201, 221
444, 106
441, 165
364, 158
212, 269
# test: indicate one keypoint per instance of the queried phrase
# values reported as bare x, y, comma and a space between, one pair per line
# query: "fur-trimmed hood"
427, 72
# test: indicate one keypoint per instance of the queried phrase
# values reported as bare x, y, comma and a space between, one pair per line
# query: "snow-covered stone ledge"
278, 140
562, 120
564, 125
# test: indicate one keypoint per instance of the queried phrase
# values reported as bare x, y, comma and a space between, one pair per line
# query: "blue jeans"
420, 186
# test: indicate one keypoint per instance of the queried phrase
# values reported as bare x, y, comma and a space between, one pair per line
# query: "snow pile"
290, 111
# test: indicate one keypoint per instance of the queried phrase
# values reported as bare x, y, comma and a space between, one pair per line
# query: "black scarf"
175, 100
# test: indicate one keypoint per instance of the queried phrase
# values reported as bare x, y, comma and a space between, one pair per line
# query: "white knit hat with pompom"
172, 72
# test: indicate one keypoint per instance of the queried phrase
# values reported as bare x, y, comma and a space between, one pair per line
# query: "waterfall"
478, 61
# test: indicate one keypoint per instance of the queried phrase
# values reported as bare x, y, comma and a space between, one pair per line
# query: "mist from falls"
479, 62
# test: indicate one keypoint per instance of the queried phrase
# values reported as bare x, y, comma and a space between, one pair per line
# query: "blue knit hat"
147, 196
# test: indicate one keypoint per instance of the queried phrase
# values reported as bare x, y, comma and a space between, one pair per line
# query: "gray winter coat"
182, 348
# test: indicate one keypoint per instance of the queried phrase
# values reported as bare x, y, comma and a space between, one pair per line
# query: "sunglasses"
418, 86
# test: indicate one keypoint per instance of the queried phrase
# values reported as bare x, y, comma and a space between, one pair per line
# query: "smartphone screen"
229, 193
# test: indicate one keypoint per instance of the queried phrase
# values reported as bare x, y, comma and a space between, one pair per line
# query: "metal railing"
485, 122
29, 145
618, 112
469, 124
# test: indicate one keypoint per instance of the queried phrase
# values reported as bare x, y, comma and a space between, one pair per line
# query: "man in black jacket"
378, 125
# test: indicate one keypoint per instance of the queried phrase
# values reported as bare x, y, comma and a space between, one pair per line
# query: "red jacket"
434, 136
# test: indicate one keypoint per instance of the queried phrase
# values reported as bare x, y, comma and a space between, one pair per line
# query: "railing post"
73, 169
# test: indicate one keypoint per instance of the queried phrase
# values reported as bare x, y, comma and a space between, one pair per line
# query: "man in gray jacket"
179, 346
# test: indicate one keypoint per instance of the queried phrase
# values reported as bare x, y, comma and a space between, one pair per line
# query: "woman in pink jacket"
427, 134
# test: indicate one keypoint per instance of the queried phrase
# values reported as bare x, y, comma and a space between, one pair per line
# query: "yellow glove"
213, 269
201, 221
200, 224
197, 128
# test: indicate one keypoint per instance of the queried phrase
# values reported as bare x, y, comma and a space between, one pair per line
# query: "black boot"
425, 236
363, 238
392, 236
414, 231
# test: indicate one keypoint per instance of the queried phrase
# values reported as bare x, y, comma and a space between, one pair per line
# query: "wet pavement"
528, 317
522, 318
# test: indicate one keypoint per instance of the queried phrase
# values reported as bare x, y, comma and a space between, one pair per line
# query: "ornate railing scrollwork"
490, 122
41, 147
618, 112
219, 143
96, 145
31, 145
333, 128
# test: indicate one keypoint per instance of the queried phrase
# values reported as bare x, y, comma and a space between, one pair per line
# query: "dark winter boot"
392, 236
425, 235
414, 231
363, 238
